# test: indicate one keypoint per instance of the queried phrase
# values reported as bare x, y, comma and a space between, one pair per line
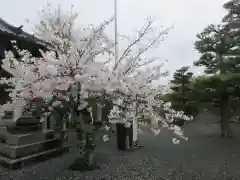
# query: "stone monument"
23, 141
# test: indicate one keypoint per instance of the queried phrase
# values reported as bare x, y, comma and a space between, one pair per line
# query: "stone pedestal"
25, 142
135, 130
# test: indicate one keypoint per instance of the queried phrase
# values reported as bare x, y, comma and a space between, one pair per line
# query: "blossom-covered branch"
75, 60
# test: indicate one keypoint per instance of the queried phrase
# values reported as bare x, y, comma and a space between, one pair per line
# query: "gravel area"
203, 156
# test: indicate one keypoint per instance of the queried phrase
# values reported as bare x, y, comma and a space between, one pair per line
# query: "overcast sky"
188, 17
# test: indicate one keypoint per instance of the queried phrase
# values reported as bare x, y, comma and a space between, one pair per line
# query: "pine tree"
180, 88
213, 45
232, 24
232, 21
219, 48
233, 15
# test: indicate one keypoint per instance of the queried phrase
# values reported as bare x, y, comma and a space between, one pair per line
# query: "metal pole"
116, 31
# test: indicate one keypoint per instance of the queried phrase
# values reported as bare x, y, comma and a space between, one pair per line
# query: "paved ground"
203, 156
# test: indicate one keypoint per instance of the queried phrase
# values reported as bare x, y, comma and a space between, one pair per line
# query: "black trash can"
122, 134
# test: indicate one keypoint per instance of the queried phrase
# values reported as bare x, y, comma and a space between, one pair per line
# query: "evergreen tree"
180, 88
181, 93
219, 48
213, 45
232, 24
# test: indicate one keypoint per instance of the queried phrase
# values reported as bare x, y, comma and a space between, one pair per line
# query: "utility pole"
116, 31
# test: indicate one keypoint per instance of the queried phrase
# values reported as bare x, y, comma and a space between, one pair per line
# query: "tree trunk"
88, 152
224, 121
87, 160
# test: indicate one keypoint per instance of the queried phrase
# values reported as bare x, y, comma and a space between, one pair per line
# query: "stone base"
79, 165
14, 152
32, 159
19, 149
19, 139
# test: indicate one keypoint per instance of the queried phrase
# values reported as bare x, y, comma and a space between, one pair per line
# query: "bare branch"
149, 61
140, 36
125, 37
136, 59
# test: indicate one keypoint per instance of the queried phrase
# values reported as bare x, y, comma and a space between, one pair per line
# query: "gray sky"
188, 17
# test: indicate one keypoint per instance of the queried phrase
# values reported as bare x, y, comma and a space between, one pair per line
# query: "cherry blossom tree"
132, 82
73, 60
67, 63
130, 67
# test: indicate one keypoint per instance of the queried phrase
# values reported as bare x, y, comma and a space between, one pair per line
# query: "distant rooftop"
17, 31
